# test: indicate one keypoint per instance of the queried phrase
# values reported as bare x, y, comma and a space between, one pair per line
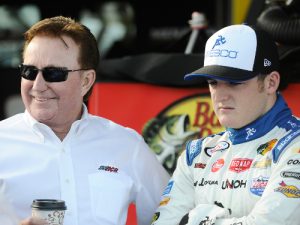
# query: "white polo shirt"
98, 169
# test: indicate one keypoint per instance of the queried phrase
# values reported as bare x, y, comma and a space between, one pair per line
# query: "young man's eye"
235, 83
212, 82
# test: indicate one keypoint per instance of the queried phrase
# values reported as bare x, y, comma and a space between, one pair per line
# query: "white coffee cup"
51, 210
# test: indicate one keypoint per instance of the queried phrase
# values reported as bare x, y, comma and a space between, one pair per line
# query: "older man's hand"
33, 221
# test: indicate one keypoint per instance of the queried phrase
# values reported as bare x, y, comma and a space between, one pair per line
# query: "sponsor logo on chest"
258, 185
110, 169
200, 165
234, 184
289, 191
290, 174
262, 164
240, 164
217, 165
221, 146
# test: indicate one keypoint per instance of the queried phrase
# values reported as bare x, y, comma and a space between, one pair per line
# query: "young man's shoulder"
290, 142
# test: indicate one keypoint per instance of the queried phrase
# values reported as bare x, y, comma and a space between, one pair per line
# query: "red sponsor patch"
217, 165
200, 165
240, 164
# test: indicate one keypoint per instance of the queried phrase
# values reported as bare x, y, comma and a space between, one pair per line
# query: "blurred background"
121, 27
132, 27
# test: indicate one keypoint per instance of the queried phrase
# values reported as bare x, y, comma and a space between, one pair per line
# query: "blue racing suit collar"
261, 126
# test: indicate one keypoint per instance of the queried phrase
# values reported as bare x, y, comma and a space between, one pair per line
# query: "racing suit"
240, 176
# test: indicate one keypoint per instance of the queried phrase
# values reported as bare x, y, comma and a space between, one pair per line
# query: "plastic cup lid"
48, 204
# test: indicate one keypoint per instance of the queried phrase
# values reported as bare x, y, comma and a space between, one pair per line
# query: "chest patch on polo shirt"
110, 169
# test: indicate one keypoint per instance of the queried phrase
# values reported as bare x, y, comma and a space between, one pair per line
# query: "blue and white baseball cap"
238, 53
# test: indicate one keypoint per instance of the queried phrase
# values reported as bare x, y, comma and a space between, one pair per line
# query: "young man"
250, 173
57, 150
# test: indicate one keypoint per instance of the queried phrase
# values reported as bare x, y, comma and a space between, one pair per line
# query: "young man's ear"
87, 80
272, 82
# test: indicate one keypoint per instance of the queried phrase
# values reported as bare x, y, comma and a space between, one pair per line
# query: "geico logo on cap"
237, 53
235, 38
221, 53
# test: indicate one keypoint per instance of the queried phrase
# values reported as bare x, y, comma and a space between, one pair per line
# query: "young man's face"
238, 104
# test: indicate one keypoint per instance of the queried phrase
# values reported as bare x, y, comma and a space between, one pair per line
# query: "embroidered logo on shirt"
204, 182
200, 165
221, 146
240, 164
168, 188
293, 162
155, 217
233, 184
293, 125
108, 169
290, 174
289, 191
258, 185
217, 165
262, 164
286, 140
264, 148
250, 132
165, 201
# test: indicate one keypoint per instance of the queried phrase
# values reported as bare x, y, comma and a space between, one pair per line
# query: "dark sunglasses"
50, 74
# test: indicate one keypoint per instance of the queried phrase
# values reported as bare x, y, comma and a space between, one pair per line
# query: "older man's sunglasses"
50, 74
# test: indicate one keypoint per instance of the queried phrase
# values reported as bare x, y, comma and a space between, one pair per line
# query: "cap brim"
221, 73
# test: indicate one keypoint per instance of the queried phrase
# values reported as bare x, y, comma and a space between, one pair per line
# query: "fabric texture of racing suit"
238, 177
